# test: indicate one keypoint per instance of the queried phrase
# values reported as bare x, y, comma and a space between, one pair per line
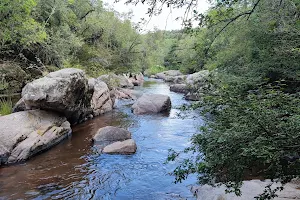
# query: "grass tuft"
5, 106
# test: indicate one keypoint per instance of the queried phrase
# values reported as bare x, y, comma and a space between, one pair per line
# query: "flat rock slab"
124, 147
249, 190
151, 103
24, 134
111, 134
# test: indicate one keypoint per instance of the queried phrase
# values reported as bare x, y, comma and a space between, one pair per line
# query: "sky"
165, 21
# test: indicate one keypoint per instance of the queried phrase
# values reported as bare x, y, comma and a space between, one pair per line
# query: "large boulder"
180, 88
249, 190
169, 75
199, 78
65, 91
101, 100
24, 134
152, 103
111, 134
124, 147
115, 81
197, 83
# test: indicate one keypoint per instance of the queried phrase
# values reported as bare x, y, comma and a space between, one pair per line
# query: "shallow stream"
73, 170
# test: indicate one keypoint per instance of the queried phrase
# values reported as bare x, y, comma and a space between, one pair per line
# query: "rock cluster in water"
114, 140
49, 105
191, 85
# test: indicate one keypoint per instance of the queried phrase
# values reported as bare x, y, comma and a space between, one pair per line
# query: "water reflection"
73, 170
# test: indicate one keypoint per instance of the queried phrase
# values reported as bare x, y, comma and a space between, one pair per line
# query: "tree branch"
86, 14
231, 21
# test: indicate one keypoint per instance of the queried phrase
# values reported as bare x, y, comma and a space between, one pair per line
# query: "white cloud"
164, 21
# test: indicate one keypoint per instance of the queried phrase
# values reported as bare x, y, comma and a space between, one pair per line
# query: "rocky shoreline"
191, 85
51, 104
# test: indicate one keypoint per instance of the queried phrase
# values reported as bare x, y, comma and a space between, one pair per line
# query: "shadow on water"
72, 169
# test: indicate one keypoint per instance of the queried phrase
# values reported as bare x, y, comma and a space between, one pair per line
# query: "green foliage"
80, 33
5, 106
251, 108
17, 24
155, 69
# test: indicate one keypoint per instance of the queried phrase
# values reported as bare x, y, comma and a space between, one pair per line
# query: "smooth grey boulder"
180, 88
198, 78
65, 91
151, 103
124, 147
115, 81
101, 101
24, 134
197, 83
111, 134
168, 75
249, 190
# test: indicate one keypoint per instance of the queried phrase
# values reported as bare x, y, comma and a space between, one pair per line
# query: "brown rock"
125, 147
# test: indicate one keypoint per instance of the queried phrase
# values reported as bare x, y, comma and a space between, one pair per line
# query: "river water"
73, 169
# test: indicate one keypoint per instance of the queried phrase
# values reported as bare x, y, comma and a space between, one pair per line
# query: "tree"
251, 107
18, 27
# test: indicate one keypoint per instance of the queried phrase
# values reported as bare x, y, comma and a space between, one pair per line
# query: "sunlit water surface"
73, 169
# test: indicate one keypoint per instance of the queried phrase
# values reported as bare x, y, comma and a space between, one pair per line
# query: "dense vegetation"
38, 36
251, 47
252, 105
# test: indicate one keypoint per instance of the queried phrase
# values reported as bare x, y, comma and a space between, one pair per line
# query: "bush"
154, 70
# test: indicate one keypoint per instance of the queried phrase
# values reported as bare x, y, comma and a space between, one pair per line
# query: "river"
73, 169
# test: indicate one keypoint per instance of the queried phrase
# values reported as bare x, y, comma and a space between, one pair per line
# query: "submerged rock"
111, 134
24, 134
124, 147
65, 91
152, 103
